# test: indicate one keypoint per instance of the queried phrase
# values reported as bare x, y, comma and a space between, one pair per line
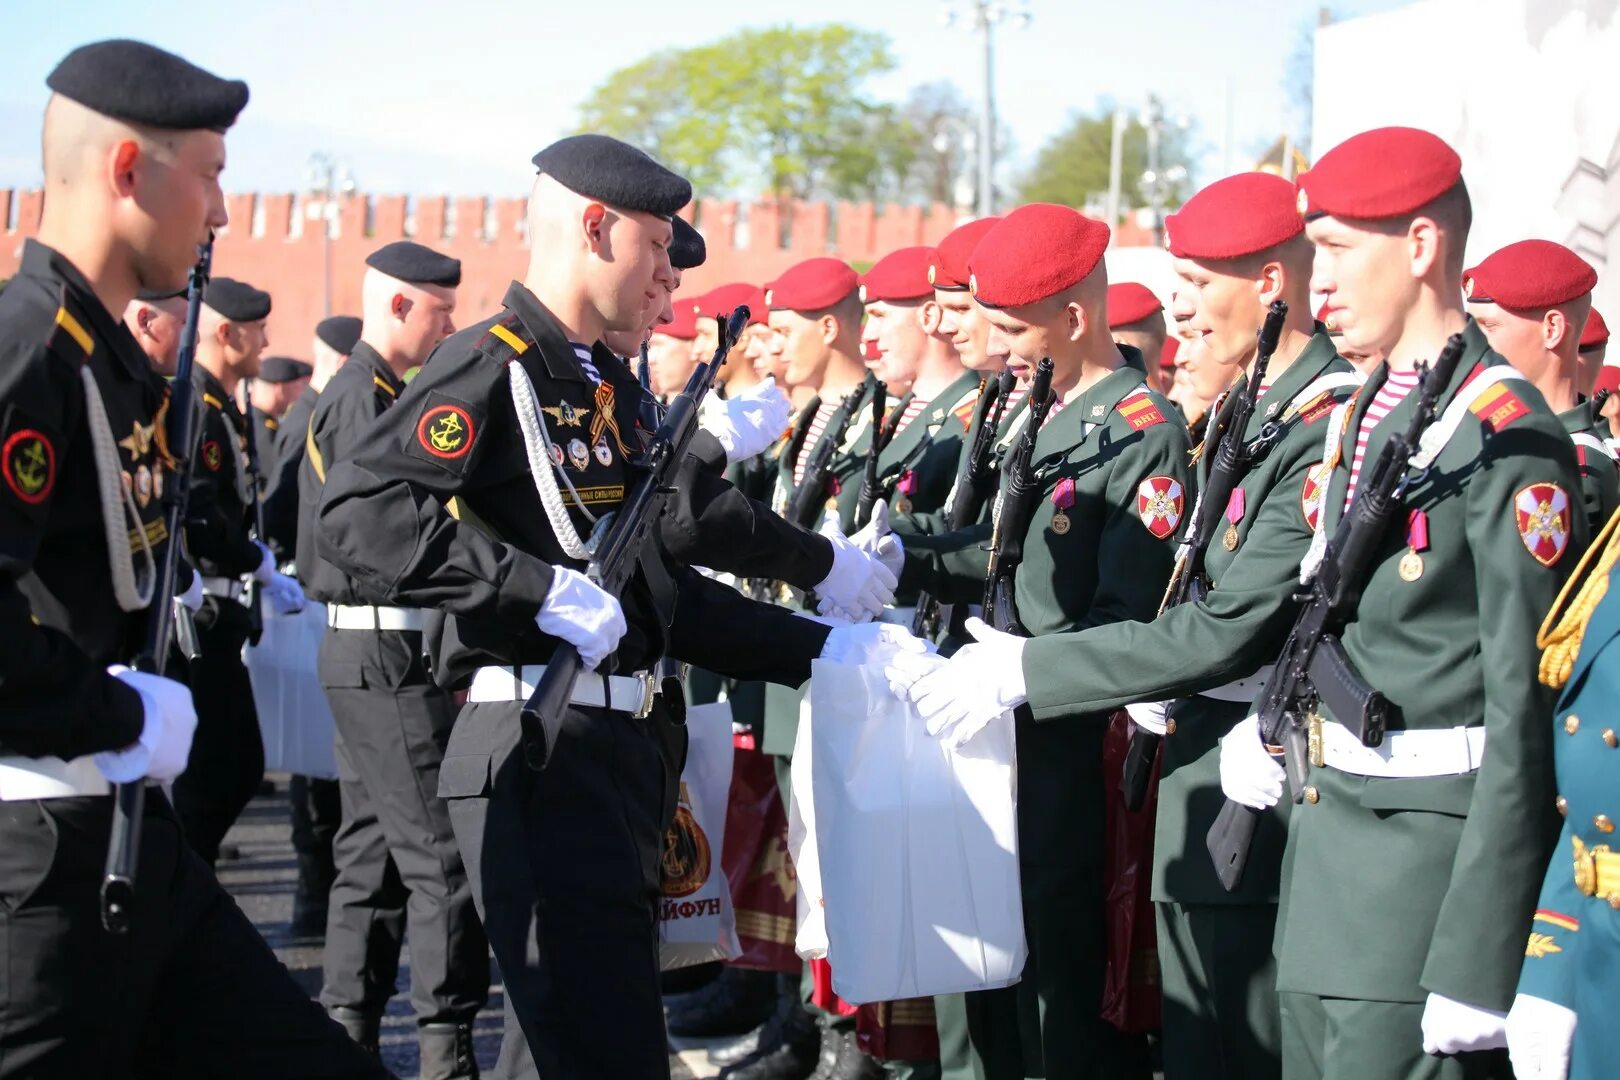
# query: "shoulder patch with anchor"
445, 432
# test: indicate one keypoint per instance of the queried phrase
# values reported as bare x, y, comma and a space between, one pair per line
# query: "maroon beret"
1167, 355
1037, 251
724, 299
1239, 215
812, 285
948, 269
1129, 302
1608, 379
900, 275
1532, 275
1382, 173
684, 325
1596, 332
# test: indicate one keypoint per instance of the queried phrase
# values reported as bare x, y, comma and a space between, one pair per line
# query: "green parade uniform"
1220, 1005
1103, 557
1600, 476
1570, 958
1411, 870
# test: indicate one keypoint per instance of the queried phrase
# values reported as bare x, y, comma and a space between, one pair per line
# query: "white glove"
165, 741
1149, 715
1539, 1036
958, 698
871, 643
858, 586
876, 540
582, 614
1249, 774
749, 422
285, 595
1453, 1027
267, 565
193, 596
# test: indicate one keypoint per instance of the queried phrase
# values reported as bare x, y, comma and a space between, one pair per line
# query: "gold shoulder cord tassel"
1560, 637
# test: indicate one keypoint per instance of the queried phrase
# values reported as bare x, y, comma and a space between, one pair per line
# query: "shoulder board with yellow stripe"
963, 409
382, 384
69, 337
1498, 407
211, 401
507, 334
1140, 412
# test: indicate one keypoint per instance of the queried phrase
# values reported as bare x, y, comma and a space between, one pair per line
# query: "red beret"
1596, 332
1608, 379
1129, 302
900, 275
1167, 355
1239, 215
812, 285
1532, 275
1382, 173
724, 300
1037, 251
684, 324
948, 269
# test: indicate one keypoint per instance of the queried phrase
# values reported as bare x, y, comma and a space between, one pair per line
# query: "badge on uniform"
904, 490
1234, 514
27, 460
578, 456
446, 431
212, 455
1314, 492
1410, 567
1063, 499
1543, 516
566, 415
603, 452
556, 455
1159, 503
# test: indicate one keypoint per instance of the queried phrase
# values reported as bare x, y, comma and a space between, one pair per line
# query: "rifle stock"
869, 479
1020, 489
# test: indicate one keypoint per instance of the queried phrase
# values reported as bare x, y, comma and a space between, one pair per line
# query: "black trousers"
227, 754
565, 866
399, 870
191, 991
316, 813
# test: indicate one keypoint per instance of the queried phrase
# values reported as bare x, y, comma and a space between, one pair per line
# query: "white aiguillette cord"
537, 447
132, 591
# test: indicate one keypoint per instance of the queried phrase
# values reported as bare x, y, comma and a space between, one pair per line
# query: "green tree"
1073, 167
781, 108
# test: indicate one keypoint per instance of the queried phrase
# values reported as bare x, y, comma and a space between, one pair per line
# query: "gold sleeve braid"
1561, 631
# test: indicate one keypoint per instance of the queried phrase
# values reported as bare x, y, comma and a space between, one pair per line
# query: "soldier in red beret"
1136, 318
669, 350
1097, 549
1594, 348
1530, 298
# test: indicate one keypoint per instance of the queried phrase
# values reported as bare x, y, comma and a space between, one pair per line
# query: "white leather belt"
1243, 690
621, 693
1443, 752
23, 778
366, 617
226, 588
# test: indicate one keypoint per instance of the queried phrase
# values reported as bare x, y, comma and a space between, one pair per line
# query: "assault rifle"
1188, 582
619, 539
1020, 491
811, 493
869, 480
1314, 671
255, 594
129, 800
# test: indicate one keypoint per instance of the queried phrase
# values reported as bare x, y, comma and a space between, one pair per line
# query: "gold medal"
1060, 523
1411, 567
1230, 540
902, 505
832, 503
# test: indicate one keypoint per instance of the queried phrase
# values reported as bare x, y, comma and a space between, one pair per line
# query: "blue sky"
434, 97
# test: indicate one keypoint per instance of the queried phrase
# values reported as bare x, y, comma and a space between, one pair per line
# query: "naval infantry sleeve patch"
28, 463
212, 455
1159, 503
1543, 515
446, 431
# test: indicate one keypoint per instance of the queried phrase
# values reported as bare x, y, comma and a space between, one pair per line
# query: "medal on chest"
1063, 499
904, 490
834, 488
1234, 514
1417, 542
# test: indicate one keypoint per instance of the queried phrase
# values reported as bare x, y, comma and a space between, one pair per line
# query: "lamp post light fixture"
1158, 182
325, 178
982, 17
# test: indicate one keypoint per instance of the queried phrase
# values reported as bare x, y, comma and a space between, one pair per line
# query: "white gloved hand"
1453, 1027
1149, 715
285, 595
582, 614
983, 680
871, 642
1539, 1036
748, 423
1249, 774
193, 596
858, 586
876, 540
165, 741
267, 565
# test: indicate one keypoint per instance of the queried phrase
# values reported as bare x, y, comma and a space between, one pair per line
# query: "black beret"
157, 296
142, 84
237, 300
601, 167
339, 332
283, 369
416, 264
686, 249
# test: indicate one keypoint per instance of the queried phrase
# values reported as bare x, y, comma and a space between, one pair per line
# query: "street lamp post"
1158, 181
326, 177
982, 16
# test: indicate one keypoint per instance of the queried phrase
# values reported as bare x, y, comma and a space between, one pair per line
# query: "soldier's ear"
1269, 283
1554, 328
830, 328
1078, 319
930, 315
594, 226
1424, 243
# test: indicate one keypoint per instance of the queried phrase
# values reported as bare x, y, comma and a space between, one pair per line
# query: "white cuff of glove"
1455, 1027
747, 424
193, 596
285, 595
858, 585
1249, 774
267, 565
872, 643
1540, 1034
1150, 715
580, 612
170, 721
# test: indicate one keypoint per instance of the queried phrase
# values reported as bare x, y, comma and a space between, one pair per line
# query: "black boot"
738, 1000
854, 1063
447, 1052
363, 1027
789, 1043
310, 900
832, 1041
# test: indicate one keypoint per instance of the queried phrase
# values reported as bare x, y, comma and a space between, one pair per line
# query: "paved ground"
262, 881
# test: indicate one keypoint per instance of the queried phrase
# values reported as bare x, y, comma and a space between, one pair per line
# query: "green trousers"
1220, 992
1345, 1039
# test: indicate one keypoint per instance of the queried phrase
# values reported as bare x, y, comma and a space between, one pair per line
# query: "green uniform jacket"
1397, 887
1237, 628
919, 522
1600, 476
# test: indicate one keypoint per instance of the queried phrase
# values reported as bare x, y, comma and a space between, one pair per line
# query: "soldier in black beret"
132, 154
155, 318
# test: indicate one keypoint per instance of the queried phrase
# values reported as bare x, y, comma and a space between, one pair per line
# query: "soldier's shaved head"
402, 320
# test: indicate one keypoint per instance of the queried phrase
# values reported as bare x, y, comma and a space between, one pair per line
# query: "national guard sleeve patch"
1498, 407
1542, 513
27, 460
1140, 412
1159, 503
445, 432
212, 455
1314, 491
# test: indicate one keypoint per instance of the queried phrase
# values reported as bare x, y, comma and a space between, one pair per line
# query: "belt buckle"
1585, 868
649, 689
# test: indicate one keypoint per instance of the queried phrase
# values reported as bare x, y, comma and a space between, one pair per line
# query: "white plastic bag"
917, 845
810, 939
294, 718
696, 923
